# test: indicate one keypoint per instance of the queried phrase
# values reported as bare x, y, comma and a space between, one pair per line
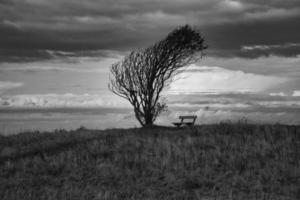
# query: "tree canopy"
143, 74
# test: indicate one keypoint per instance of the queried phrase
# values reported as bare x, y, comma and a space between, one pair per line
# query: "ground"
221, 161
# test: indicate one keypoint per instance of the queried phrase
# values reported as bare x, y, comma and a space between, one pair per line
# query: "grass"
221, 161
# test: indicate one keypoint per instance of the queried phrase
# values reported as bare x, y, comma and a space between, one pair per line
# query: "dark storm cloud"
228, 39
30, 28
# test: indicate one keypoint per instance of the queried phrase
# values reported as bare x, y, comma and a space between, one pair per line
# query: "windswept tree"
142, 75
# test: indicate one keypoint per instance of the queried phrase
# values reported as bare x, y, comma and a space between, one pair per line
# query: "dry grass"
224, 161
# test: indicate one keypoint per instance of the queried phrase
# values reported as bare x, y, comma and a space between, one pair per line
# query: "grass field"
222, 161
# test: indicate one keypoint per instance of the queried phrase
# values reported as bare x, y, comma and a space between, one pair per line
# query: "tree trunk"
148, 119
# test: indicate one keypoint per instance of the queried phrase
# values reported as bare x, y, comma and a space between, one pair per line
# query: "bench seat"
187, 123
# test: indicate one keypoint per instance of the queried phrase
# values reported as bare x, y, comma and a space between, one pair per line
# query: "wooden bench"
190, 123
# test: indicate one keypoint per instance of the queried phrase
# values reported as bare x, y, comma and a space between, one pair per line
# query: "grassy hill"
223, 161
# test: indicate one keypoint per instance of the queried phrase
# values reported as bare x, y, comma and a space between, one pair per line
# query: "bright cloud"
231, 5
296, 93
276, 104
202, 79
281, 94
268, 47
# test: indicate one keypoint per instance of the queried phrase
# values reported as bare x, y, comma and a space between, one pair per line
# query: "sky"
55, 58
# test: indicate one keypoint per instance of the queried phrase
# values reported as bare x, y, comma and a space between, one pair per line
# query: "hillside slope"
223, 161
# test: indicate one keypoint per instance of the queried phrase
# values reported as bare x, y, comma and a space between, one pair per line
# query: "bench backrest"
193, 117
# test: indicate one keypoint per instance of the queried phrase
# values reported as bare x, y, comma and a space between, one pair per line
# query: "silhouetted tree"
141, 76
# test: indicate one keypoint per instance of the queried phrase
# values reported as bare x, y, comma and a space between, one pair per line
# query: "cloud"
231, 5
67, 100
276, 104
282, 94
271, 66
226, 40
296, 93
84, 26
210, 105
241, 103
268, 47
6, 85
198, 79
80, 63
274, 49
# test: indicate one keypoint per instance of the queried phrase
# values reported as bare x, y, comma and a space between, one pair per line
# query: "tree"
142, 75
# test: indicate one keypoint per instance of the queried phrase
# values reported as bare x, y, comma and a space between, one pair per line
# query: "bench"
190, 123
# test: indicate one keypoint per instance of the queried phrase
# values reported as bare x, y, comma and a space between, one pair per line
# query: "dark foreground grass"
224, 161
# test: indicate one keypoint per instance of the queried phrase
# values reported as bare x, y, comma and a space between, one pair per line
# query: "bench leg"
178, 125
